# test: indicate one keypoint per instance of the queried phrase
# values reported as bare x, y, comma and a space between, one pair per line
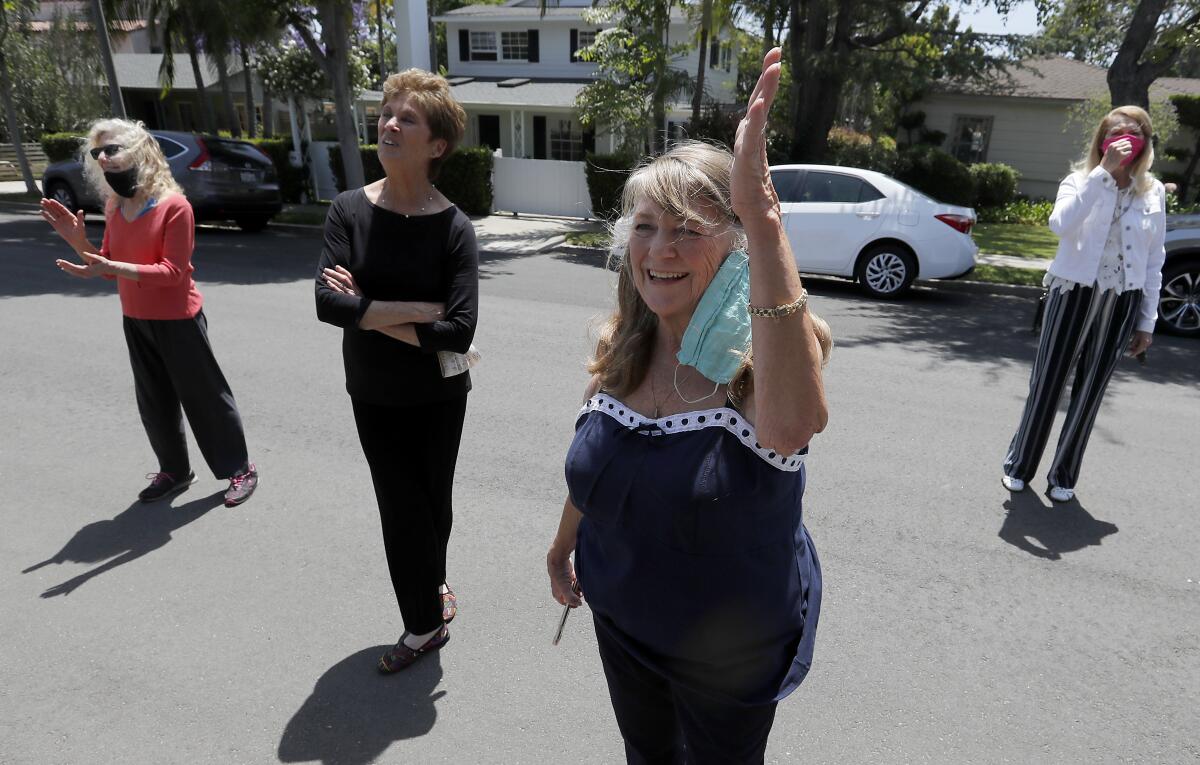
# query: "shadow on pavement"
141, 529
354, 714
987, 329
1048, 530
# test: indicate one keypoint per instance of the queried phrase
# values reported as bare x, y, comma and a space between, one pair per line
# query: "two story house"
517, 74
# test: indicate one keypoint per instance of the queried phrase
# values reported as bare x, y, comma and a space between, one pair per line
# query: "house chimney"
412, 34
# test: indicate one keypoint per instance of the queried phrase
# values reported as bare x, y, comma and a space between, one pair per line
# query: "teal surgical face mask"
718, 336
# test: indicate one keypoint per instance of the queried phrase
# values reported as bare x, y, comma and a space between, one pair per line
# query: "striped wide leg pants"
1090, 328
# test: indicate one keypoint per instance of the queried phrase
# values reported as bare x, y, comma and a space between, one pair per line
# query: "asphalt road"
959, 625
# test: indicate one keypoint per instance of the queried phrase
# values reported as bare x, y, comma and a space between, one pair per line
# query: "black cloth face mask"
123, 182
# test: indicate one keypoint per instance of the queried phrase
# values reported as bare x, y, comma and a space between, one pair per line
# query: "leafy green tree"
1187, 108
634, 79
12, 13
1137, 40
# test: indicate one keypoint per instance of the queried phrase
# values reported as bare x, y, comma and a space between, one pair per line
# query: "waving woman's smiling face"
673, 260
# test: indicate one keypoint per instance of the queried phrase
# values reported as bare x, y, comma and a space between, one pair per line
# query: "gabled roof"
140, 70
1063, 79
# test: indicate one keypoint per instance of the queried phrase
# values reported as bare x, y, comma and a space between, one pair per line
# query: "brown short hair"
431, 94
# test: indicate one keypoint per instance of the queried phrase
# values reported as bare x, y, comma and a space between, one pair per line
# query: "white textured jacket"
1082, 216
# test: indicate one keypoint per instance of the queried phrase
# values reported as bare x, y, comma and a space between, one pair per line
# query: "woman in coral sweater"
147, 249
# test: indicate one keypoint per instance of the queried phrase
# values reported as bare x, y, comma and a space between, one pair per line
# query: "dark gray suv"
1179, 300
224, 179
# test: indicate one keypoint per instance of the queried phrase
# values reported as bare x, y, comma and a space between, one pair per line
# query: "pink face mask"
1135, 143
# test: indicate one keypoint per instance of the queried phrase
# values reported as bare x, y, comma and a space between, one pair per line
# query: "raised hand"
67, 225
751, 192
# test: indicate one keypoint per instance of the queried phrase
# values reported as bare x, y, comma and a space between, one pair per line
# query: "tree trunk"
335, 33
1128, 80
268, 110
14, 127
205, 107
819, 67
705, 26
659, 106
768, 29
383, 68
232, 123
110, 70
248, 80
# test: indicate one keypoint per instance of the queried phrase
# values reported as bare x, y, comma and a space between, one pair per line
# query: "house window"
566, 142
483, 46
586, 38
726, 55
514, 46
969, 142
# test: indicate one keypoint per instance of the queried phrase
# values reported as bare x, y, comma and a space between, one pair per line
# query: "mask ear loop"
685, 399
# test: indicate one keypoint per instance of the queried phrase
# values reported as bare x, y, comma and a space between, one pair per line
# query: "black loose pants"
174, 367
412, 452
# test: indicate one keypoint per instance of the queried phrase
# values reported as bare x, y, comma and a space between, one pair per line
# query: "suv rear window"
170, 149
234, 151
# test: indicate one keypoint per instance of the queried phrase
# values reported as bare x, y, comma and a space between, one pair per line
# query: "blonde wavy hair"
154, 174
1140, 170
690, 177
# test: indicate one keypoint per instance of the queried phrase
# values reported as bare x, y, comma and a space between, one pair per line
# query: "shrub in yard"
60, 146
1029, 212
995, 184
606, 174
849, 148
937, 174
292, 181
465, 177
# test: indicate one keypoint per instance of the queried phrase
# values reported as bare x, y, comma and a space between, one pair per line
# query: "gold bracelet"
779, 311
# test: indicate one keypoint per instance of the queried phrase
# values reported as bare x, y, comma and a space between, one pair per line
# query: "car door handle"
867, 215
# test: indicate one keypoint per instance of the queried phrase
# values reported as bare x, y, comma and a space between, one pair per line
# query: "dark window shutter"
539, 137
464, 45
589, 141
714, 54
574, 43
533, 45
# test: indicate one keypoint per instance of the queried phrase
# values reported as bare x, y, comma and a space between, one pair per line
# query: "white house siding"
1030, 135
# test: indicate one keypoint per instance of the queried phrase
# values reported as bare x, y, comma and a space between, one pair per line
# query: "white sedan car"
872, 228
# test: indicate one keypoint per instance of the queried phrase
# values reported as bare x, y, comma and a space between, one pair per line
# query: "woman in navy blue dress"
686, 474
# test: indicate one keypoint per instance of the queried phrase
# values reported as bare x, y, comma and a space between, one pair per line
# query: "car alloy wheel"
886, 271
61, 193
1179, 300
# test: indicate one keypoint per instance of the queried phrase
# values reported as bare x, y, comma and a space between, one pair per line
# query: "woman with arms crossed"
147, 249
686, 474
1110, 217
399, 275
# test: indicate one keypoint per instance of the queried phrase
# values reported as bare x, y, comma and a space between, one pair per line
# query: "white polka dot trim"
722, 417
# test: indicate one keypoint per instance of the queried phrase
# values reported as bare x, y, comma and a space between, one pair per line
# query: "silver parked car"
224, 179
1179, 300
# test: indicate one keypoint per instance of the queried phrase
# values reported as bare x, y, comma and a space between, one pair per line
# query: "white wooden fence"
540, 186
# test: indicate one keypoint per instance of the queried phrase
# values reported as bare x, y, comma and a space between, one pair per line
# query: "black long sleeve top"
430, 258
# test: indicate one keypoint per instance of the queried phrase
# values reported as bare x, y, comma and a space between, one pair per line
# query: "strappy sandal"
449, 605
401, 657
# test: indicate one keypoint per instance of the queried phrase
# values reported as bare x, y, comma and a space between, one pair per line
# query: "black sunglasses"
109, 151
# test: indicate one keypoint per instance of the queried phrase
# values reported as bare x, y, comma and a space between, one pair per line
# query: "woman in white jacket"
1110, 217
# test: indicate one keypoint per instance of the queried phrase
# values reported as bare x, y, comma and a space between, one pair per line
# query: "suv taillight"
960, 223
203, 163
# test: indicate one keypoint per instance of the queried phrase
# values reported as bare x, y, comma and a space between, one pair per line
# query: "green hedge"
465, 177
937, 174
606, 174
60, 146
1029, 212
292, 181
849, 148
995, 184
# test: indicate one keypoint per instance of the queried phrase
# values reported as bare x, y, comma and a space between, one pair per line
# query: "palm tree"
110, 70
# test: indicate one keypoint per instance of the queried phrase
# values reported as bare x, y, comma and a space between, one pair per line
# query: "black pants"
412, 451
174, 367
665, 724
1091, 329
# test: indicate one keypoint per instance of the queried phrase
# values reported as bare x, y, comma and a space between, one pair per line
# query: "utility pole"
110, 70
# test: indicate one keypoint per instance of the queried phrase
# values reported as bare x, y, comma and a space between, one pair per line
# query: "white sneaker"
1059, 494
1012, 484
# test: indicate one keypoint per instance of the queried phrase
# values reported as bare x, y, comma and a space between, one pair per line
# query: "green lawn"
20, 196
588, 239
1006, 275
1015, 239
